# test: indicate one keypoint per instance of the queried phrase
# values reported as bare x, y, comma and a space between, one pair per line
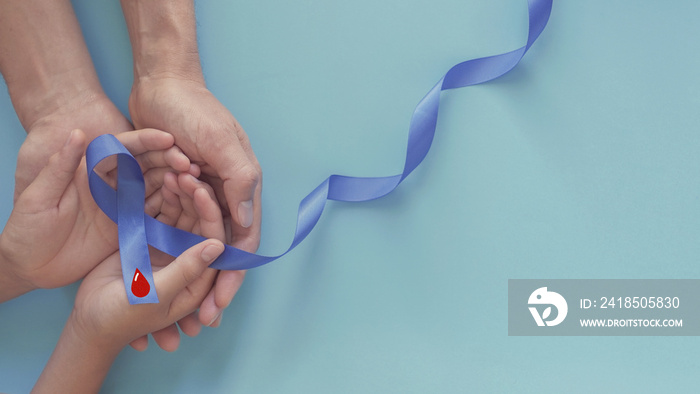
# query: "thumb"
186, 268
48, 187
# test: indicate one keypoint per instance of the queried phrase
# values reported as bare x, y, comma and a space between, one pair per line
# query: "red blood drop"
140, 286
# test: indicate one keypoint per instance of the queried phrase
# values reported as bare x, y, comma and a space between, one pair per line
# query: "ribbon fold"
125, 206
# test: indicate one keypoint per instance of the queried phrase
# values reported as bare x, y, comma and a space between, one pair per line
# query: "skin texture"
169, 93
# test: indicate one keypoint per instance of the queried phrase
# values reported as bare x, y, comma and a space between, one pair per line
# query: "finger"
240, 177
220, 296
140, 344
248, 239
240, 192
195, 170
217, 322
170, 209
188, 218
190, 325
160, 163
208, 311
171, 157
206, 208
153, 204
167, 338
144, 140
48, 187
153, 179
211, 223
185, 269
227, 285
189, 184
138, 142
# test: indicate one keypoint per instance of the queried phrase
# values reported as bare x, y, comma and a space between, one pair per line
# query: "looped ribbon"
137, 230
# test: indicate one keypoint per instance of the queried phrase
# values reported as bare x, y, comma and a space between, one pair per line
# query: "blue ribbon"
137, 230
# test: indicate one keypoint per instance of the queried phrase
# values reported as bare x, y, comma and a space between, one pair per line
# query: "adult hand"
169, 93
212, 138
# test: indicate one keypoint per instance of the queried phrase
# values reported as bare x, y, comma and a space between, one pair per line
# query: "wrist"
76, 364
91, 335
65, 96
11, 284
43, 57
156, 90
163, 38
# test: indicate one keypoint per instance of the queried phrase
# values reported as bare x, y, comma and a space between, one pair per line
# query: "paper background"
581, 163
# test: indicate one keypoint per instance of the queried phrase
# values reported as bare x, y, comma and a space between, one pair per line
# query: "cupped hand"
212, 138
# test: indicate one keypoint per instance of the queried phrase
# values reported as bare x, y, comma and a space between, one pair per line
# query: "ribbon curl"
125, 206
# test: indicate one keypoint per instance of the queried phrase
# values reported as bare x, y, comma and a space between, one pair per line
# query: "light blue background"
581, 163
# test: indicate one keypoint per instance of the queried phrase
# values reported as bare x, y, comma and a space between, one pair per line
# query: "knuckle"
188, 274
54, 160
242, 136
248, 175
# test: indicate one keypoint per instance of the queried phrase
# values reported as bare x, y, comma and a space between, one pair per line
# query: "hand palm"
66, 239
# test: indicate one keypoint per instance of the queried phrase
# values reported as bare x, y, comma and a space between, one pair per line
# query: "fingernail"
70, 137
245, 213
211, 252
214, 319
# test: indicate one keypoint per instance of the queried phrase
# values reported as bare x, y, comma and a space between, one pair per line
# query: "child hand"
103, 317
102, 313
103, 322
56, 233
